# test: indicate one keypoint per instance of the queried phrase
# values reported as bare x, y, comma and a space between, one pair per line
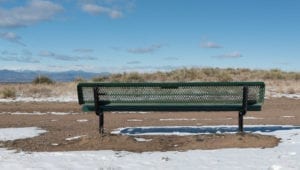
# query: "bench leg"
241, 121
101, 123
244, 110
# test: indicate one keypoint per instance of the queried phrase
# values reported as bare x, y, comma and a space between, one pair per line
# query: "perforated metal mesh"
173, 93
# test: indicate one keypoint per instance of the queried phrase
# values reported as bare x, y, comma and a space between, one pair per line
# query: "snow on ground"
284, 156
38, 113
19, 133
75, 137
142, 139
287, 116
82, 120
73, 98
41, 99
134, 120
274, 94
252, 118
178, 119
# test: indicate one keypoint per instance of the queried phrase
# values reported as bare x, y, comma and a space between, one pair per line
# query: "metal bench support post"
98, 111
244, 108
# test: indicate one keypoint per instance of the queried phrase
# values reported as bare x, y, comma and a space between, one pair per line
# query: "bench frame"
100, 112
92, 101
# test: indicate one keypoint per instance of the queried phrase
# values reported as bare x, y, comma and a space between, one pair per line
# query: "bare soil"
281, 111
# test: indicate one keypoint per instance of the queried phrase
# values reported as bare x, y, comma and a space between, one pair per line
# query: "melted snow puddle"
195, 130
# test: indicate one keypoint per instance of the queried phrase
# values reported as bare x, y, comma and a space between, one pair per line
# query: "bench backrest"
198, 93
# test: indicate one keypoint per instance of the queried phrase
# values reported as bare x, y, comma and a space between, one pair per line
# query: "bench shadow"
177, 130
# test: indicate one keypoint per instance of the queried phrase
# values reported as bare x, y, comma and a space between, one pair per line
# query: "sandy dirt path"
83, 126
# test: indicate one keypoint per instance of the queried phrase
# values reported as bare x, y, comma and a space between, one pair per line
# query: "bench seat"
169, 107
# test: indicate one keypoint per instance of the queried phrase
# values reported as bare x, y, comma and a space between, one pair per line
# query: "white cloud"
145, 50
234, 54
98, 9
63, 57
209, 44
33, 12
24, 57
12, 37
133, 62
171, 58
83, 50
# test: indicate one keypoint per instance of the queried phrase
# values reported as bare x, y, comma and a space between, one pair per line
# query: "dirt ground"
281, 111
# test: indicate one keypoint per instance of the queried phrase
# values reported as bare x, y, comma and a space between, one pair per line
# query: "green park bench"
167, 96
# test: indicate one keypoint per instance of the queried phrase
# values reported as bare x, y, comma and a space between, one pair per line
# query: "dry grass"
282, 86
276, 81
8, 92
41, 90
202, 74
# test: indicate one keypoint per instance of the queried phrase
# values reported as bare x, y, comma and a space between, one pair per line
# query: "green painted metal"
169, 96
169, 107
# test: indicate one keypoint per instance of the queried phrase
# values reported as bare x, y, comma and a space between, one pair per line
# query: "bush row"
201, 74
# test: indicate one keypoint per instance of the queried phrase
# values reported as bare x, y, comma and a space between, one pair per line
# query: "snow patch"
7, 134
131, 112
252, 118
178, 119
82, 120
41, 99
284, 156
275, 167
75, 137
142, 139
134, 120
39, 113
290, 96
174, 130
287, 116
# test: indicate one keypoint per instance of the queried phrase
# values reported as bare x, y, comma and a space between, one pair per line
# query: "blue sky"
149, 35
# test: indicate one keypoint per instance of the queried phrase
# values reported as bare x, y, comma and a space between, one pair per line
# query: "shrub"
79, 79
116, 77
274, 74
297, 76
42, 80
226, 77
99, 79
134, 77
8, 93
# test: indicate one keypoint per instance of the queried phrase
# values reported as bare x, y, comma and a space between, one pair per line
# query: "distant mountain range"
10, 76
